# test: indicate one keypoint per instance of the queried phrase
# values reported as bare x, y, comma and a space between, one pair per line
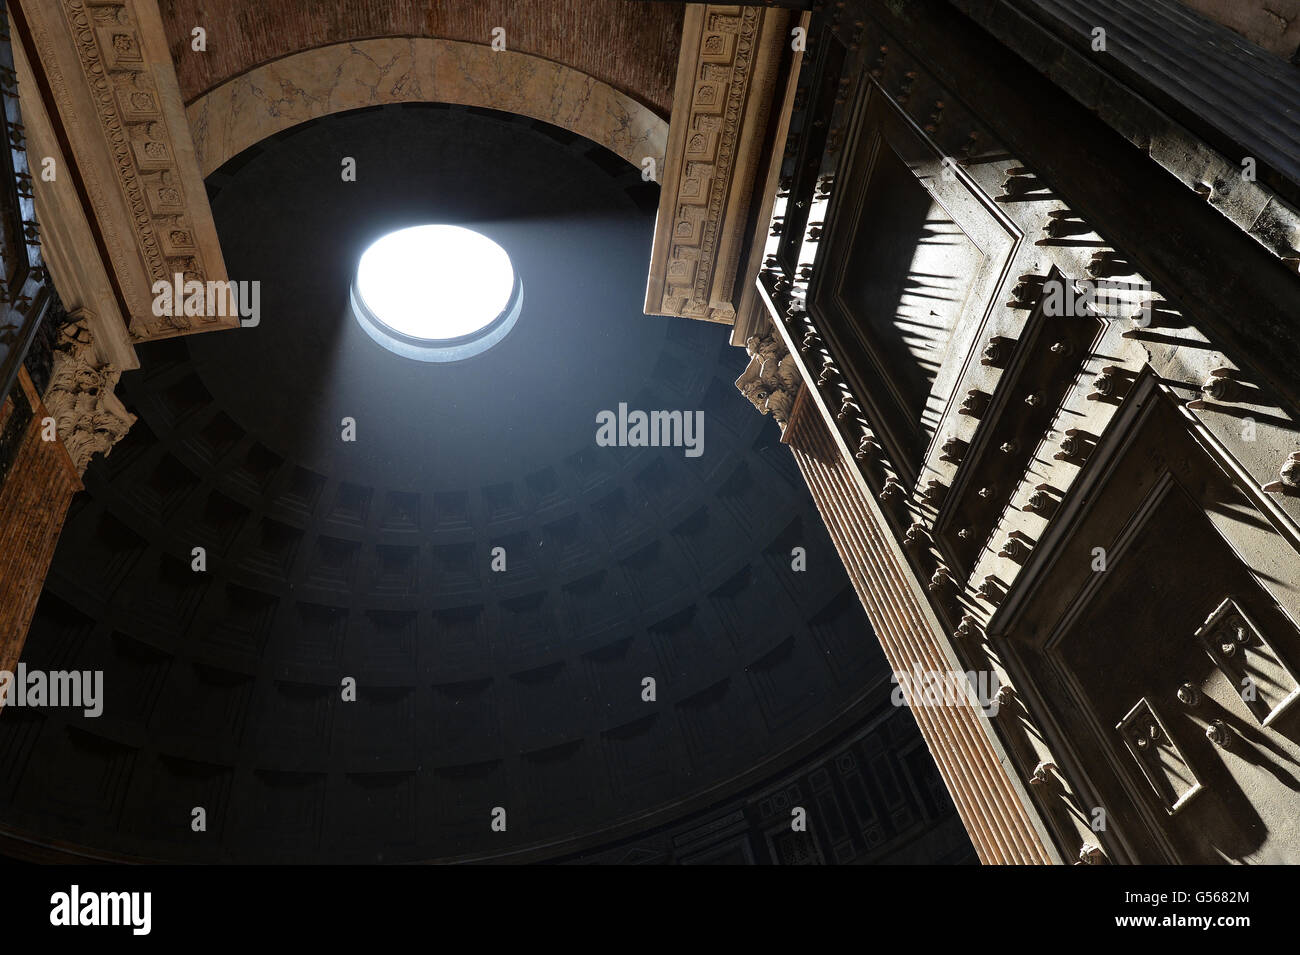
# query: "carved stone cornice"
111, 90
80, 397
726, 80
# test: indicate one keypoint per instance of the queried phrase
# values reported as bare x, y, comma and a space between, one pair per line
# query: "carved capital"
89, 417
771, 380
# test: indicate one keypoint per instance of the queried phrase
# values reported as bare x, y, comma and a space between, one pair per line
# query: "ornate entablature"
113, 98
726, 80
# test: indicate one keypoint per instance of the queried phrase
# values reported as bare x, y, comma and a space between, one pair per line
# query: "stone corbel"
89, 417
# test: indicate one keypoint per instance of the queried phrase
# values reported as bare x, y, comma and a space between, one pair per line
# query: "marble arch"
343, 76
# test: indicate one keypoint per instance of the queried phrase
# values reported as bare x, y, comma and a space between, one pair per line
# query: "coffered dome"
372, 558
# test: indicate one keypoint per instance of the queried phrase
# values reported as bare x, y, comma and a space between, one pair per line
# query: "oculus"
436, 292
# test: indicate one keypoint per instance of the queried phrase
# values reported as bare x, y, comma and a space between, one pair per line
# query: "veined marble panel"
344, 76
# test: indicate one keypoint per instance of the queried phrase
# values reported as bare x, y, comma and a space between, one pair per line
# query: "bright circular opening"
436, 292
